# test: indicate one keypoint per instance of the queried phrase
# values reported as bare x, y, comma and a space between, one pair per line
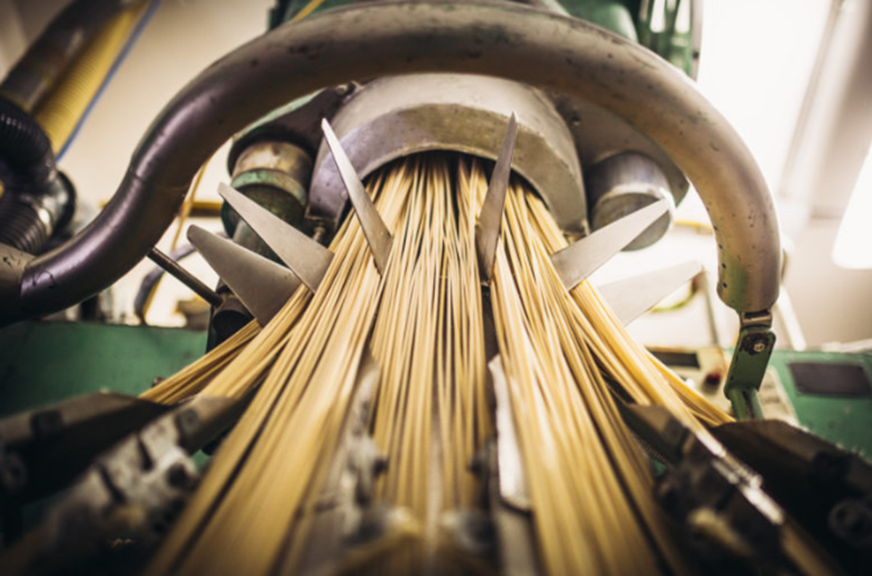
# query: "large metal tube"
499, 39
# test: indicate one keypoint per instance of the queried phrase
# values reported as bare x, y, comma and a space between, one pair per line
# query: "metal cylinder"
624, 183
402, 115
275, 174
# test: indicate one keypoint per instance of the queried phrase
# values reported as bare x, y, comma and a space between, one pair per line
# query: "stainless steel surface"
487, 231
500, 39
402, 115
634, 296
513, 483
305, 257
173, 269
374, 228
621, 184
261, 284
579, 260
600, 133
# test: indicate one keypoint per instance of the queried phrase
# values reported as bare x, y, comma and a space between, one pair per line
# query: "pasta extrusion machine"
588, 101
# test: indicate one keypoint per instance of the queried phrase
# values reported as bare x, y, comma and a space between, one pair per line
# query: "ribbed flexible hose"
61, 110
38, 199
26, 158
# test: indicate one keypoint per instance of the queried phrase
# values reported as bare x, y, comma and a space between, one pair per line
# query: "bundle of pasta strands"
645, 379
239, 518
193, 378
642, 376
432, 412
590, 487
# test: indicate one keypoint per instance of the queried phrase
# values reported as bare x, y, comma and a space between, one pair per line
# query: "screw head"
759, 347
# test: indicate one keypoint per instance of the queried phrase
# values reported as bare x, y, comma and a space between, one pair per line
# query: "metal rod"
487, 233
172, 267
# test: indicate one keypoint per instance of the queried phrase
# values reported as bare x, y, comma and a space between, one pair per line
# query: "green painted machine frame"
46, 362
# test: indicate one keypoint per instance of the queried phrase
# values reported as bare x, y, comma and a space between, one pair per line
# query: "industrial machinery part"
307, 259
717, 500
133, 490
44, 449
384, 39
826, 488
276, 175
268, 167
487, 231
403, 115
578, 261
38, 200
377, 234
623, 184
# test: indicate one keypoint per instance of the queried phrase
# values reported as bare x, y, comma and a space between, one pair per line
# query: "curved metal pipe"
504, 39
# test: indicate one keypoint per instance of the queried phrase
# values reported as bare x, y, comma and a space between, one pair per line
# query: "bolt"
755, 343
712, 379
178, 476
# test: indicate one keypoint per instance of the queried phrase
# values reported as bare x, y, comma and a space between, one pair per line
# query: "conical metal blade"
304, 256
377, 234
578, 261
634, 296
487, 231
261, 284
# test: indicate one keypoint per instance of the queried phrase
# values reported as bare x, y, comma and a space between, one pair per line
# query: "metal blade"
578, 261
513, 481
261, 284
308, 259
634, 296
377, 234
487, 231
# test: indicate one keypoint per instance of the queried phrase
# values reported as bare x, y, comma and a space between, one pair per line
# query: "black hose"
26, 157
37, 199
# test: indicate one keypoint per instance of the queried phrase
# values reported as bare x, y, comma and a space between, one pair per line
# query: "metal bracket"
717, 501
42, 450
135, 489
748, 366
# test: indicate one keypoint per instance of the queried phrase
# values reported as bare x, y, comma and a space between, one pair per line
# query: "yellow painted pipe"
61, 110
